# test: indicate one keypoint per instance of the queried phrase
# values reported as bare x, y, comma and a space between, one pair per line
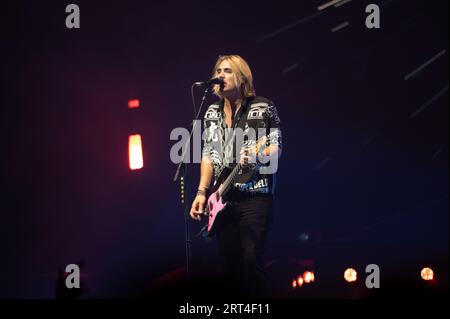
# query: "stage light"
294, 283
308, 277
304, 237
350, 275
133, 104
299, 281
135, 152
427, 274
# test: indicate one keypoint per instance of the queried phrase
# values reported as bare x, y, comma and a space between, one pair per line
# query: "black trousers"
241, 238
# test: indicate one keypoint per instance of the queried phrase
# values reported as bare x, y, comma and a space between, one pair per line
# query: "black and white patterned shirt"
256, 117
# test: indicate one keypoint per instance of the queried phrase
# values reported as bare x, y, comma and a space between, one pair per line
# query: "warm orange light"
427, 274
133, 104
300, 281
294, 283
135, 152
350, 275
308, 277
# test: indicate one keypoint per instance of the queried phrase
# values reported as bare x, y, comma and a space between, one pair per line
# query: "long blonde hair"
241, 70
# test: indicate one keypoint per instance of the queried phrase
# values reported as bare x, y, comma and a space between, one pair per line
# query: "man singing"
242, 232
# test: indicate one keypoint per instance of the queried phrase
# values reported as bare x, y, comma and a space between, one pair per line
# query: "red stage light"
133, 104
135, 152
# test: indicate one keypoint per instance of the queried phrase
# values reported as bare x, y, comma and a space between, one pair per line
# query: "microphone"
210, 82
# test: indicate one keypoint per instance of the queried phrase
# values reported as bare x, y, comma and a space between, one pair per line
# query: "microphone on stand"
210, 82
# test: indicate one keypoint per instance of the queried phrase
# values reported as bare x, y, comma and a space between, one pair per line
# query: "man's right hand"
197, 207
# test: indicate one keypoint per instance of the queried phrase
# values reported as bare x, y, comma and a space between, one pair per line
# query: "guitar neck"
226, 185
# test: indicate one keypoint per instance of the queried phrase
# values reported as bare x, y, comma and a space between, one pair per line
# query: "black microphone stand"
181, 165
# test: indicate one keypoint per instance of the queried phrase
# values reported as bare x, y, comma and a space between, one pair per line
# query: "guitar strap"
236, 120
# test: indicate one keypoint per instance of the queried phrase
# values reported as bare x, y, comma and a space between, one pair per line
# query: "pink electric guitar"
215, 205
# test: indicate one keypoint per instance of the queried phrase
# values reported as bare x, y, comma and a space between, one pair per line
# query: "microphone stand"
181, 165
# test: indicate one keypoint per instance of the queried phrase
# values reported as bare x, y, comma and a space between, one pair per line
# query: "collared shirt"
256, 117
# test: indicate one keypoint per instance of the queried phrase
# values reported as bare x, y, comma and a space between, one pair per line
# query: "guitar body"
215, 204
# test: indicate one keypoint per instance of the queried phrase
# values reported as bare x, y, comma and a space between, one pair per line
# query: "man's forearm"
206, 173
